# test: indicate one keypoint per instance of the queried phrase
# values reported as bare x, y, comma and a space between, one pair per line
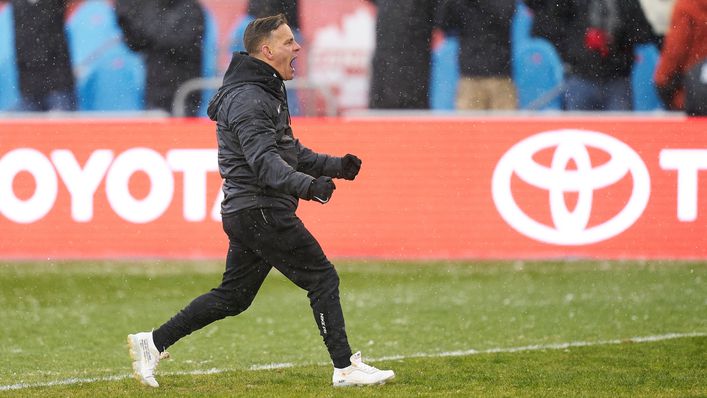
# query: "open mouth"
292, 64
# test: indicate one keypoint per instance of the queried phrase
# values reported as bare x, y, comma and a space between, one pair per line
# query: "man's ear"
265, 51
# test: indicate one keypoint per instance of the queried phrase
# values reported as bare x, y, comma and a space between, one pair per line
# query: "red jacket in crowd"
685, 45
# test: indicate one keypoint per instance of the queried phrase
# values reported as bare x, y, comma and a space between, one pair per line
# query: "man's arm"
256, 133
669, 70
317, 164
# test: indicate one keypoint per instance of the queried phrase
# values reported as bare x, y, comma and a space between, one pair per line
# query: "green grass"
69, 321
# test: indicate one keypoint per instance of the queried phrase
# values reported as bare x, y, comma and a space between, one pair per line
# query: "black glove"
321, 189
350, 165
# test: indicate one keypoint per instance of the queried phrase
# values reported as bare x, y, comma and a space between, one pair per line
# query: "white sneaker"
145, 357
360, 374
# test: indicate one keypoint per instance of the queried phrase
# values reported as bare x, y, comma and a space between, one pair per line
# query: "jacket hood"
245, 69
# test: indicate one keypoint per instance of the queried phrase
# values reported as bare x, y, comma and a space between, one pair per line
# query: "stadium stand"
110, 77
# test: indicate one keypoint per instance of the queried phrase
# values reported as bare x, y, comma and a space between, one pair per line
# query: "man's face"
283, 51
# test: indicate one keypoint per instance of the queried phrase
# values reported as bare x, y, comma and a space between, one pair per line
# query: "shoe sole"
378, 383
135, 358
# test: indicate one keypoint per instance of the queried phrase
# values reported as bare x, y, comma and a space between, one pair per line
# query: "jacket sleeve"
674, 53
317, 164
256, 133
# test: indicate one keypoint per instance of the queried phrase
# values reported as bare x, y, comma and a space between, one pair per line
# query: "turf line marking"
542, 347
271, 366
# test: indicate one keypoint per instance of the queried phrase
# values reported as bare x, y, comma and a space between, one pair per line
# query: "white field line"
538, 347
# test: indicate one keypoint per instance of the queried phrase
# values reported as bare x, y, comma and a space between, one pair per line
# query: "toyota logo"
570, 171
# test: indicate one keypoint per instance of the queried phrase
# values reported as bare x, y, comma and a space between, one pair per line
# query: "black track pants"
259, 240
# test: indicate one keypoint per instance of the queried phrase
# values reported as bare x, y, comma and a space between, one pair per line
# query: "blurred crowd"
497, 58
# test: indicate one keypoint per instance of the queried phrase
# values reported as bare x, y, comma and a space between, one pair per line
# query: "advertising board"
429, 188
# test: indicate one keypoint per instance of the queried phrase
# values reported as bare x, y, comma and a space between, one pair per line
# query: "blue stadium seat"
9, 86
444, 74
209, 57
116, 82
109, 77
645, 95
538, 74
92, 29
521, 26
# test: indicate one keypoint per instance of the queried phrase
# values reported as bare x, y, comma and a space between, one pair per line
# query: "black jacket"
170, 35
42, 51
261, 162
400, 69
484, 29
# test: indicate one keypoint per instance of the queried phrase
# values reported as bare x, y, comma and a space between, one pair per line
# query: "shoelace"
366, 368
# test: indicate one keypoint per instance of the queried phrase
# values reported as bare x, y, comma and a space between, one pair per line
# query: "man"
170, 35
484, 29
400, 69
596, 40
42, 52
265, 170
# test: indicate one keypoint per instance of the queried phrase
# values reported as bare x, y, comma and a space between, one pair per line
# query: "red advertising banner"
429, 188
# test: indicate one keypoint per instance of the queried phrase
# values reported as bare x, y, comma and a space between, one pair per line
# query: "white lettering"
82, 184
44, 196
687, 162
161, 185
195, 164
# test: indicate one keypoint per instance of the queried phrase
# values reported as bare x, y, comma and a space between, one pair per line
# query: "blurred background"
167, 56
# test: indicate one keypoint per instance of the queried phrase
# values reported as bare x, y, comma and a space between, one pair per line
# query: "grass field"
446, 328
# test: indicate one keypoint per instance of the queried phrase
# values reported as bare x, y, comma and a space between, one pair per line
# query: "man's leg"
503, 95
618, 95
245, 273
471, 95
286, 244
581, 94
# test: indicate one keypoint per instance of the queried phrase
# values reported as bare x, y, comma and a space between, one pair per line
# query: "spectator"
484, 28
169, 33
684, 49
42, 53
401, 61
596, 39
